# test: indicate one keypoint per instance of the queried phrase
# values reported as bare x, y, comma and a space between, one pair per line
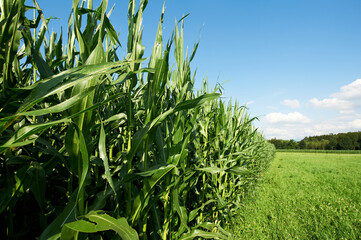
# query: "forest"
340, 141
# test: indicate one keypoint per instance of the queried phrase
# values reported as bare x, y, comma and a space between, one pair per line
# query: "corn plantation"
98, 146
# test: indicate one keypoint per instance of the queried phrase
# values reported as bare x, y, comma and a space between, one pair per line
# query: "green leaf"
239, 171
83, 171
195, 212
29, 131
203, 234
181, 210
140, 135
140, 199
64, 80
188, 104
37, 174
103, 156
98, 222
43, 67
212, 170
67, 215
61, 106
119, 116
111, 31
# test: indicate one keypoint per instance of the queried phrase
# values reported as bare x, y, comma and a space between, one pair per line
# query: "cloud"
285, 126
335, 126
345, 101
279, 133
344, 117
350, 91
332, 103
314, 128
291, 103
325, 127
294, 117
348, 112
356, 124
250, 102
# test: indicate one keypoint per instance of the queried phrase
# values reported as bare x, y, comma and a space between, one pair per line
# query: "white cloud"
294, 117
291, 103
345, 101
350, 91
335, 126
250, 102
356, 124
301, 130
326, 127
279, 133
332, 103
348, 112
344, 117
276, 131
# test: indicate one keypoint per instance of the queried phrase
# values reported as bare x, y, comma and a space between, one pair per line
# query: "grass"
305, 196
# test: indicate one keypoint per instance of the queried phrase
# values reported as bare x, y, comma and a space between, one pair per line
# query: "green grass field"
305, 196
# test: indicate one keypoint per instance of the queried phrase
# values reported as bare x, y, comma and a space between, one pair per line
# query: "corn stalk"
89, 139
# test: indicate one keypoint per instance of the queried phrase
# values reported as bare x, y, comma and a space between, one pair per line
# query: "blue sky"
295, 64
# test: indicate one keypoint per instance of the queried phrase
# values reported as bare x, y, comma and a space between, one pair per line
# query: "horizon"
295, 65
298, 140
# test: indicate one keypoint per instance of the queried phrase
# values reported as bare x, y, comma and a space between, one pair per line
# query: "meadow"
305, 196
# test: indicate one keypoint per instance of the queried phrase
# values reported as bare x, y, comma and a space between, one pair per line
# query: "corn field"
98, 146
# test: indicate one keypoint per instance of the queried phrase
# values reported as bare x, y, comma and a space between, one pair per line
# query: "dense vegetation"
340, 141
91, 142
305, 196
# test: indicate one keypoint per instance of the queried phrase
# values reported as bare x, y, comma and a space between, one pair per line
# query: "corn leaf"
98, 222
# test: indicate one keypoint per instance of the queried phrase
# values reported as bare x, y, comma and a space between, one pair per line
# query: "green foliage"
320, 151
305, 196
285, 144
83, 131
94, 222
340, 141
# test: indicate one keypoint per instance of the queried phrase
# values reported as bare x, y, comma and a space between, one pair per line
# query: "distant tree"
340, 141
332, 145
344, 142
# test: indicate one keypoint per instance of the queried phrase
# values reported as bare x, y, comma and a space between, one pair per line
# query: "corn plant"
95, 146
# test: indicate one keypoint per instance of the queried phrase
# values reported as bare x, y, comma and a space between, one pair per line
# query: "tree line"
340, 141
